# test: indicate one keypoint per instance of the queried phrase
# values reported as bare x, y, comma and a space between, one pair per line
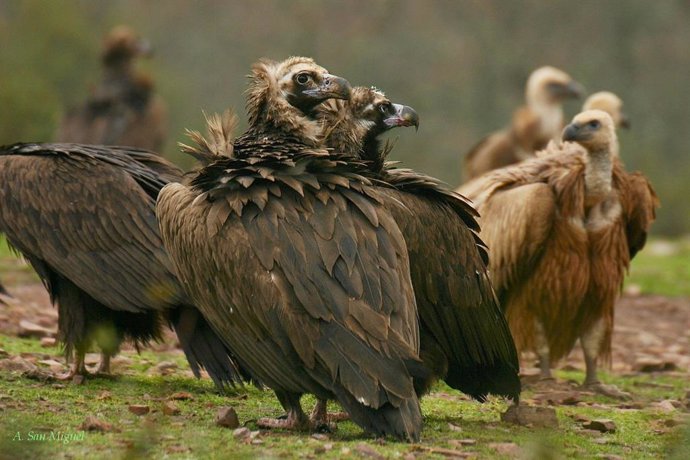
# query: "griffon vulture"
532, 126
84, 218
562, 229
291, 257
609, 103
464, 337
123, 108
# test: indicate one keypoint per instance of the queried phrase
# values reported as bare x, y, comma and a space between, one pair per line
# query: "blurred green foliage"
461, 64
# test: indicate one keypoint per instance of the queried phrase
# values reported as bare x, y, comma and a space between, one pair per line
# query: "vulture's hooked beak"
570, 90
625, 121
404, 116
332, 87
574, 132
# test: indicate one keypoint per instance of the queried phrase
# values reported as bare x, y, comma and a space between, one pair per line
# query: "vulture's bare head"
374, 111
122, 45
609, 103
549, 85
284, 94
593, 129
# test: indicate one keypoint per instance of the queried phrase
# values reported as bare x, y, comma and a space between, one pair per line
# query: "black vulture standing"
464, 337
289, 254
123, 108
83, 217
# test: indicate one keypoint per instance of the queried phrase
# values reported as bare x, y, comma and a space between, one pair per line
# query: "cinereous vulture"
291, 257
84, 218
464, 337
123, 108
562, 229
532, 127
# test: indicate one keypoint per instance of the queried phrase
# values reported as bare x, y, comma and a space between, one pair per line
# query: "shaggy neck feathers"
267, 106
598, 176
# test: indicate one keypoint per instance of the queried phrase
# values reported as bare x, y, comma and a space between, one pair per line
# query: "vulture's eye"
385, 107
303, 78
594, 124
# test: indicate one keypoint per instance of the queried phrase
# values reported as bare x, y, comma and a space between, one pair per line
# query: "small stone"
601, 441
453, 427
367, 451
181, 396
602, 425
78, 379
47, 342
94, 424
530, 415
505, 448
241, 433
170, 408
651, 364
139, 409
328, 446
320, 436
17, 364
163, 368
665, 406
29, 329
227, 417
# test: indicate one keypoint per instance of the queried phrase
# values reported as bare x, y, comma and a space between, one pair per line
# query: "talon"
607, 390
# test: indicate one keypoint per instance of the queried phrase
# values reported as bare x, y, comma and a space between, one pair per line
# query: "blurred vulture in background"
609, 103
562, 229
464, 337
291, 257
122, 109
532, 126
83, 217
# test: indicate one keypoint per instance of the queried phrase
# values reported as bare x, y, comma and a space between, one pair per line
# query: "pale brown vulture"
123, 108
289, 254
532, 127
609, 103
562, 229
464, 337
83, 217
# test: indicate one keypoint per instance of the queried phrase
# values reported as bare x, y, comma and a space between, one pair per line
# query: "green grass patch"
43, 407
663, 267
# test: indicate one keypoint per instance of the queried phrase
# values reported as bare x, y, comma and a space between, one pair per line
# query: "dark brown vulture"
291, 257
123, 109
84, 218
532, 126
464, 337
562, 229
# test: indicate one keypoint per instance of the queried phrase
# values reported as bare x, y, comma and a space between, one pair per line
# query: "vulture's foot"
323, 422
611, 391
77, 375
287, 423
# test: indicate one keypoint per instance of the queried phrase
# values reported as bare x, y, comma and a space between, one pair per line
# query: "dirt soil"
652, 333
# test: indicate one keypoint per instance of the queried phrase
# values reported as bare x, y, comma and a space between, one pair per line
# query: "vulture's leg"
77, 372
296, 419
543, 351
591, 344
320, 418
104, 366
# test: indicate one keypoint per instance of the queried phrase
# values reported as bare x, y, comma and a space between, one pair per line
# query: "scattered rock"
227, 417
530, 415
17, 364
163, 368
367, 451
505, 448
666, 405
47, 342
652, 364
241, 433
602, 425
320, 436
139, 409
462, 442
560, 398
452, 427
601, 441
170, 408
180, 396
29, 329
94, 424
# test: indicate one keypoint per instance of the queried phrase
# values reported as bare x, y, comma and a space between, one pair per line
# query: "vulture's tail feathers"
204, 348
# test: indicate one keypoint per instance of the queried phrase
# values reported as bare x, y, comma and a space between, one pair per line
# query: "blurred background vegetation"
461, 64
